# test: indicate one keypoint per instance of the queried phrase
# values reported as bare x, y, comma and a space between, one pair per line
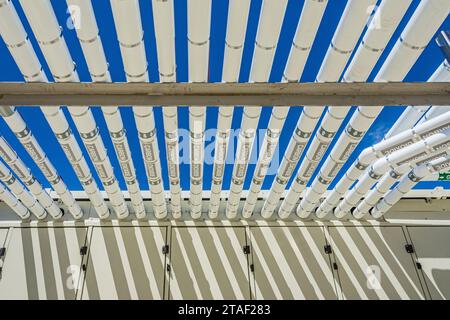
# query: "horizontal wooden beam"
225, 94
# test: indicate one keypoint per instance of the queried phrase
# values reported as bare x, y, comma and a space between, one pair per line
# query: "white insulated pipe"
350, 27
385, 183
163, 15
7, 197
31, 69
127, 19
271, 19
418, 33
234, 45
413, 114
199, 24
408, 119
307, 27
380, 30
407, 183
433, 145
19, 45
379, 150
21, 192
45, 27
24, 174
91, 44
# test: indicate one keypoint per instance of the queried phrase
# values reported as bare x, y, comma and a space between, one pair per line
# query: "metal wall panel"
3, 234
373, 263
209, 263
432, 248
42, 263
290, 263
125, 263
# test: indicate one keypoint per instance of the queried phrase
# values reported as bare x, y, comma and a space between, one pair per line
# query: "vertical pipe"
272, 14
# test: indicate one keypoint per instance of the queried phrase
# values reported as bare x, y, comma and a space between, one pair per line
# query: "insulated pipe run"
413, 114
163, 15
407, 183
381, 149
25, 175
409, 117
199, 23
385, 183
7, 197
379, 32
127, 19
307, 27
19, 46
27, 61
420, 29
91, 44
423, 151
21, 192
344, 40
272, 14
234, 44
45, 26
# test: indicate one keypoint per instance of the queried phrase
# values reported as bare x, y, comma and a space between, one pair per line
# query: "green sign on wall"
444, 176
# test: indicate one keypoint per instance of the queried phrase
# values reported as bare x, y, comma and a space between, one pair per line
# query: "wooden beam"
227, 94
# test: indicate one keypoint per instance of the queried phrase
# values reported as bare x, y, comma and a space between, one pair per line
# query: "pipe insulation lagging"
407, 183
380, 30
14, 203
17, 125
165, 43
88, 35
234, 44
271, 19
172, 154
428, 17
266, 153
243, 151
130, 37
379, 150
330, 71
147, 136
197, 119
269, 28
423, 36
412, 114
349, 29
21, 192
163, 15
319, 145
220, 154
238, 12
305, 126
198, 34
25, 175
310, 18
19, 45
436, 146
57, 56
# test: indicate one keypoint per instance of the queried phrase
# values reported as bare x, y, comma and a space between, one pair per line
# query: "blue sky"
425, 66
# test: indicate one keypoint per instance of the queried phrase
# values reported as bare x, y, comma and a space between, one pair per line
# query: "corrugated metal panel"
42, 263
432, 249
290, 263
374, 264
209, 263
125, 263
